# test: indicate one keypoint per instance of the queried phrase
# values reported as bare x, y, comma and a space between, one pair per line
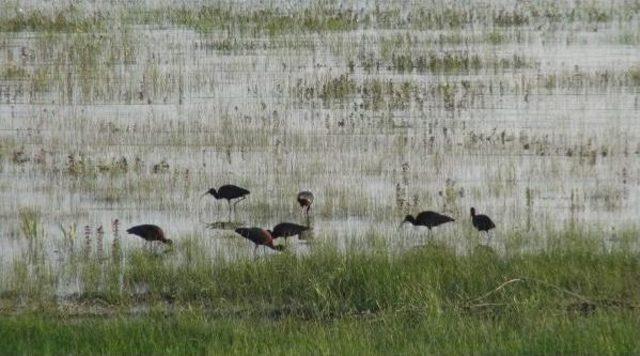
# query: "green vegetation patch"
387, 333
571, 300
62, 20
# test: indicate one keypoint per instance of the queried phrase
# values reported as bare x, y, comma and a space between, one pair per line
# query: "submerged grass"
317, 18
61, 20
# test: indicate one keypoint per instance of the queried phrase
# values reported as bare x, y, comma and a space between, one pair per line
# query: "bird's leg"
236, 202
229, 205
255, 252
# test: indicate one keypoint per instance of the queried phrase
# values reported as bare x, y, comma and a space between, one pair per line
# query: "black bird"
150, 233
481, 222
259, 237
287, 229
428, 218
229, 192
305, 199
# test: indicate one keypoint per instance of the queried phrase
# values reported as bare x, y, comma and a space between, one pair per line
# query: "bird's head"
168, 242
473, 212
211, 191
408, 219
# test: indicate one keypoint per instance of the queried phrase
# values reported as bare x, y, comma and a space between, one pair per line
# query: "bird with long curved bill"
427, 218
229, 192
150, 233
482, 223
260, 237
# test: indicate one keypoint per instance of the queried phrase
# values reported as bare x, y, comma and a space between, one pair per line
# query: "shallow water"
535, 158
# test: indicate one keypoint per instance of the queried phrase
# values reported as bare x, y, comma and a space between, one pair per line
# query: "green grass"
572, 298
385, 333
328, 283
575, 299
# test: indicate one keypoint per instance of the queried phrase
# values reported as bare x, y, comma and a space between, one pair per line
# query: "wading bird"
287, 229
229, 192
150, 233
305, 199
482, 222
428, 218
259, 237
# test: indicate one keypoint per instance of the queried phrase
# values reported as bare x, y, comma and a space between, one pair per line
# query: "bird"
150, 233
481, 222
229, 192
305, 199
428, 218
258, 236
286, 229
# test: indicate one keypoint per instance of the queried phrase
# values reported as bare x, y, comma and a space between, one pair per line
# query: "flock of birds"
264, 237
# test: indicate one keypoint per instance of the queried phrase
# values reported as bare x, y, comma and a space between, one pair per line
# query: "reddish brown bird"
150, 233
305, 199
286, 230
259, 237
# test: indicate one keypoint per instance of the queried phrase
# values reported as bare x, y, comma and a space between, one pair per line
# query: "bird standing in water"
286, 230
229, 192
259, 237
482, 223
305, 199
150, 233
428, 218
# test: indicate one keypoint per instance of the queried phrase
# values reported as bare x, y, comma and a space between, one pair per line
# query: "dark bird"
305, 199
481, 222
259, 237
287, 229
229, 192
150, 233
428, 218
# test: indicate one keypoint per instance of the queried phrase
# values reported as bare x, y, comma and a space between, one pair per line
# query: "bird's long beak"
402, 223
203, 195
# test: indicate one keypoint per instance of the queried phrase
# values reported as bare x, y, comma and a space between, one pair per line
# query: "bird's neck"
215, 194
412, 220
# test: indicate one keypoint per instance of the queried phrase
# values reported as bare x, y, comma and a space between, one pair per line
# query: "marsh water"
137, 122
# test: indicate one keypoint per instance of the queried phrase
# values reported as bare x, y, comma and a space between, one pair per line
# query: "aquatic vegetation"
115, 114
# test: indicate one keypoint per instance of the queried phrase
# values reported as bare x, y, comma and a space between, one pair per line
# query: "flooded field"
527, 112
